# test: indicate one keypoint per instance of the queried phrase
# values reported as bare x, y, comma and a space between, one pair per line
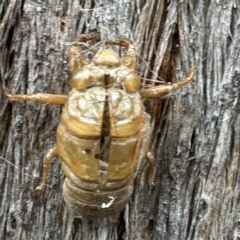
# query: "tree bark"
195, 131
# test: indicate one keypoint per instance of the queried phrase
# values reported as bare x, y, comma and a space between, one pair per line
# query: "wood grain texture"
195, 132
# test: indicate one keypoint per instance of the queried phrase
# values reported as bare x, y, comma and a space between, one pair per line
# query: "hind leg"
46, 168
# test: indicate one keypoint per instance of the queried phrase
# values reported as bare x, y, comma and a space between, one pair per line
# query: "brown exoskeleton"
104, 131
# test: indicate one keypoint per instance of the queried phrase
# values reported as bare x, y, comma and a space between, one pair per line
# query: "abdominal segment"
96, 203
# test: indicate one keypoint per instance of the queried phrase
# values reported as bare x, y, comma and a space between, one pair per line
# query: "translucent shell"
93, 186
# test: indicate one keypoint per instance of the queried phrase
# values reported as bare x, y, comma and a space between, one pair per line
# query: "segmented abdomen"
94, 187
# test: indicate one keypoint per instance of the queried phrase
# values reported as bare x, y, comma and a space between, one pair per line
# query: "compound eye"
89, 55
132, 82
81, 79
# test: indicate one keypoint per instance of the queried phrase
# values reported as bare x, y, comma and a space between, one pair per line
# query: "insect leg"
39, 97
46, 168
76, 55
159, 91
120, 42
151, 164
87, 37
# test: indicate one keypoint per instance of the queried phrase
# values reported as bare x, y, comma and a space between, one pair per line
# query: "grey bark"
195, 132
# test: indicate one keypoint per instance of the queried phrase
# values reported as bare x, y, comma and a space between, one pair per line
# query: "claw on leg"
129, 60
76, 57
161, 90
87, 37
46, 168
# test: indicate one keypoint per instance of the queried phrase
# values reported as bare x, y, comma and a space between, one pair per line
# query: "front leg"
129, 59
39, 97
161, 90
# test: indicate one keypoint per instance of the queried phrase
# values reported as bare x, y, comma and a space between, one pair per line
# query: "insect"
104, 130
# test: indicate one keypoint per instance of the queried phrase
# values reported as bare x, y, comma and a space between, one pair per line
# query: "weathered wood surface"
195, 132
